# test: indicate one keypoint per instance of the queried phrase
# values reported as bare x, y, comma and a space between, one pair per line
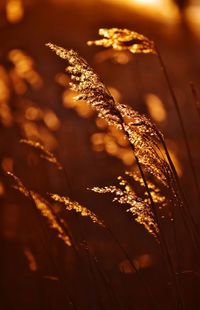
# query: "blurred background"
36, 104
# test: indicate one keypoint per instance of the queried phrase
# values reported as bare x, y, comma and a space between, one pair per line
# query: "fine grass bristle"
44, 153
140, 208
75, 206
44, 207
124, 39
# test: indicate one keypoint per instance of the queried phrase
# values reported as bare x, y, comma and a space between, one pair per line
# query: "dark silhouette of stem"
60, 275
185, 138
68, 183
163, 243
196, 97
184, 208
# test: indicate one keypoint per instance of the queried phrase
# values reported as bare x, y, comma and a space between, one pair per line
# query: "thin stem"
131, 264
186, 214
196, 97
106, 280
90, 255
117, 242
60, 275
163, 243
94, 279
185, 138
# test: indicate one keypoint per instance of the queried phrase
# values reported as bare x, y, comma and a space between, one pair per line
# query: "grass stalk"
67, 295
118, 243
184, 208
184, 134
196, 97
163, 244
90, 256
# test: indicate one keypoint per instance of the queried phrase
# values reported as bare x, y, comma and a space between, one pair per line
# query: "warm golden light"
113, 142
33, 113
7, 164
5, 115
51, 120
156, 2
81, 107
193, 18
124, 40
31, 259
4, 88
2, 189
176, 162
14, 11
24, 67
164, 11
156, 108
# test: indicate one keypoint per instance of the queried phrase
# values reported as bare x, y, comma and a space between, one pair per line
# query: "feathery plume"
144, 137
75, 206
19, 185
44, 208
124, 39
140, 208
140, 131
159, 198
89, 86
44, 153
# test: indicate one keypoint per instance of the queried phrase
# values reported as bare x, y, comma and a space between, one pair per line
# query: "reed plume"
145, 138
140, 208
87, 83
124, 39
158, 197
46, 210
18, 184
145, 150
44, 153
44, 207
141, 133
75, 206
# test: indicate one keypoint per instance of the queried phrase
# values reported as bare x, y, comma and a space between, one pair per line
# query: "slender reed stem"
196, 97
163, 243
106, 281
185, 138
118, 244
94, 279
90, 255
184, 209
60, 275
132, 265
